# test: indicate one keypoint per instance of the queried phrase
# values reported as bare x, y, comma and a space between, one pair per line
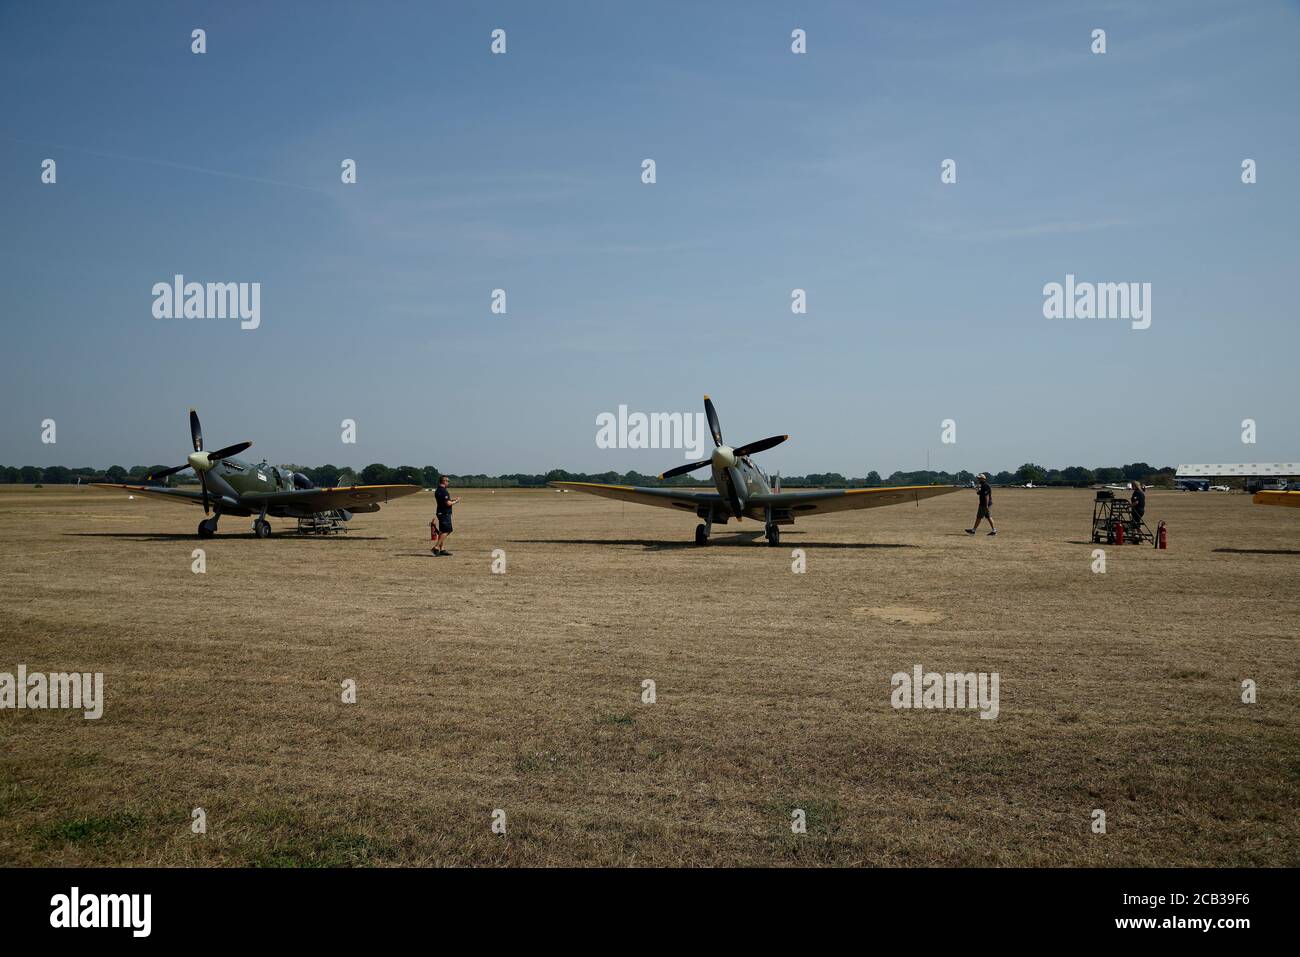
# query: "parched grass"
521, 693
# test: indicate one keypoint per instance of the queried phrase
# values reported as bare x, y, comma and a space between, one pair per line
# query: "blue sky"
775, 172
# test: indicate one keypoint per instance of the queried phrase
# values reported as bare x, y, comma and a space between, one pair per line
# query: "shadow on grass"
190, 536
743, 540
1259, 551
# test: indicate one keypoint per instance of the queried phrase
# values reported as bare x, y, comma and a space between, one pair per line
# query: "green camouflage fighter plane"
743, 490
234, 487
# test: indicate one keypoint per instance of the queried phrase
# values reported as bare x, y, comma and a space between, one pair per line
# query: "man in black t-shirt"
1138, 503
445, 502
986, 505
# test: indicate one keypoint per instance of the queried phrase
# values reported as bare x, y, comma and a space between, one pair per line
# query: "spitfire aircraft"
230, 486
744, 491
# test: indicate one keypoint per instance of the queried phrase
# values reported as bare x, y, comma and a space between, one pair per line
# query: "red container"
1119, 533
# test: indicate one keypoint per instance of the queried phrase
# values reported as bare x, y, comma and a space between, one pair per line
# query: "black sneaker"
444, 553
970, 531
994, 532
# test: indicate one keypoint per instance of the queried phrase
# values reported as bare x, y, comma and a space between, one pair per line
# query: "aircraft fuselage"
229, 480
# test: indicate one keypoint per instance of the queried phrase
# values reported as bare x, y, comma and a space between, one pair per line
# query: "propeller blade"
203, 480
196, 433
165, 472
762, 445
712, 414
683, 469
736, 491
228, 451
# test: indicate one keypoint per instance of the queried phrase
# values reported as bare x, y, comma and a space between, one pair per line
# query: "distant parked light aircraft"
234, 487
743, 490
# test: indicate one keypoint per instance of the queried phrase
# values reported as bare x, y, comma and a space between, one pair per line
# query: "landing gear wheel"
773, 536
262, 528
701, 534
206, 529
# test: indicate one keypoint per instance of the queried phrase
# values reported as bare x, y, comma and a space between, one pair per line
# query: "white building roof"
1246, 470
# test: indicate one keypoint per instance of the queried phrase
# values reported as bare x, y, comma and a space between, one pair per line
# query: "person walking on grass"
986, 505
445, 502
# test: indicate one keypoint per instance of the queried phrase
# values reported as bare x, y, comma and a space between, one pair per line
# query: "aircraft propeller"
199, 460
724, 457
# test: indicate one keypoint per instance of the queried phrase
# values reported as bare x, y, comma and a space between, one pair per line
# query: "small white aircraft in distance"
743, 490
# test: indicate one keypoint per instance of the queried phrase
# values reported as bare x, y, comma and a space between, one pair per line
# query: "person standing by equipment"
1138, 505
445, 502
986, 505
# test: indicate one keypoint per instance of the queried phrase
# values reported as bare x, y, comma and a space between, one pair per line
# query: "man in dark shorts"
445, 502
986, 505
1138, 503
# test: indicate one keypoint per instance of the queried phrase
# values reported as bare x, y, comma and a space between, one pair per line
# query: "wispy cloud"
165, 164
1027, 231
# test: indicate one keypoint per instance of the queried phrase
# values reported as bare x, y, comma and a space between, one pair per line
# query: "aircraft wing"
1277, 498
194, 495
663, 497
816, 501
356, 498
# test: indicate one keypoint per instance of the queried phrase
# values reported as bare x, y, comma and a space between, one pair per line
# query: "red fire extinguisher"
433, 530
1119, 533
1162, 536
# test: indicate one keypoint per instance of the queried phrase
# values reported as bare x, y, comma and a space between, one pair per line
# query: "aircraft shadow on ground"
220, 536
742, 540
1259, 551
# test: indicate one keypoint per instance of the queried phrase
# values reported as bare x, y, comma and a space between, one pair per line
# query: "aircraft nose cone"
199, 461
724, 457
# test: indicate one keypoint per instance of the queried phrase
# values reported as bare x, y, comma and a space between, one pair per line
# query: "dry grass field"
1119, 691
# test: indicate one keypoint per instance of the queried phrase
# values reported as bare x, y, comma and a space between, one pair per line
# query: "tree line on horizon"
427, 476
